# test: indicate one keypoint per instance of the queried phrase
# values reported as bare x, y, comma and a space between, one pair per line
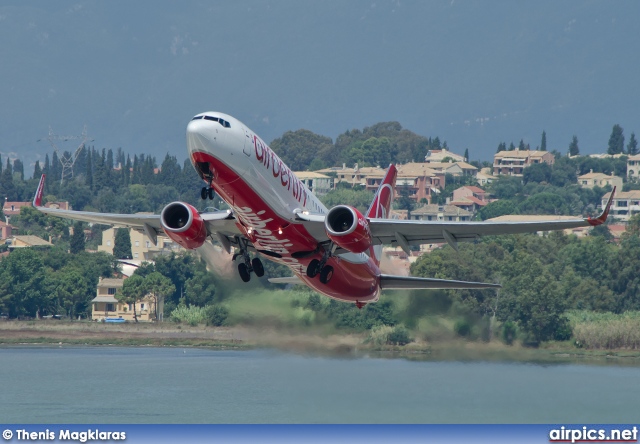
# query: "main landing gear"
320, 267
247, 265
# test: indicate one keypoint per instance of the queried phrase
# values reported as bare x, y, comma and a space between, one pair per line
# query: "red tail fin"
381, 204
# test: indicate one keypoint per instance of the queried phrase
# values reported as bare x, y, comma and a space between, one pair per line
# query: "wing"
405, 233
220, 223
389, 282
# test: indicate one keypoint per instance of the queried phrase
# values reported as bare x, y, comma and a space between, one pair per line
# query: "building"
319, 184
13, 208
105, 304
484, 177
470, 198
512, 163
28, 241
454, 168
592, 179
448, 213
141, 247
419, 180
5, 230
625, 204
633, 167
441, 155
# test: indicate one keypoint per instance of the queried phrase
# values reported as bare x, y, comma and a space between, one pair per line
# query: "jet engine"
348, 228
182, 223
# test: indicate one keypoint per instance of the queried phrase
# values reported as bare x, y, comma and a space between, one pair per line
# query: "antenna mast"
67, 160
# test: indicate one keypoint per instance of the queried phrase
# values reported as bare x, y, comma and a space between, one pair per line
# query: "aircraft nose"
203, 136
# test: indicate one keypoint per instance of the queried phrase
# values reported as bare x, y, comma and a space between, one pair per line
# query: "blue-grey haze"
474, 73
176, 385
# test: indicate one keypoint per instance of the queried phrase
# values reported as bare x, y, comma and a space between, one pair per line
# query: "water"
176, 385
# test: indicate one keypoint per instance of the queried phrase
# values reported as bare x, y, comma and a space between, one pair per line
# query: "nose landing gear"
207, 192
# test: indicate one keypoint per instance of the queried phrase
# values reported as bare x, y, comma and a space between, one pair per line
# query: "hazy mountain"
474, 73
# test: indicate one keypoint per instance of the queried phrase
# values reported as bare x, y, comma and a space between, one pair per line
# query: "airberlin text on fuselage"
279, 169
263, 235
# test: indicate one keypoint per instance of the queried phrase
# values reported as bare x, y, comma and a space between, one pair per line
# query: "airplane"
273, 215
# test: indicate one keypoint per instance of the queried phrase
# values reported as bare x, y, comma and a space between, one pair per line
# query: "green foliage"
216, 315
298, 149
508, 332
616, 140
190, 315
359, 198
77, 240
399, 335
574, 150
538, 172
462, 328
632, 146
349, 316
122, 244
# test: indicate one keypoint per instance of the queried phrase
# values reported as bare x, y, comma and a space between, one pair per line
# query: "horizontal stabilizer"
389, 282
286, 280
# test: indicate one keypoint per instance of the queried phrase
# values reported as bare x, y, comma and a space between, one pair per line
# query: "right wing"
405, 233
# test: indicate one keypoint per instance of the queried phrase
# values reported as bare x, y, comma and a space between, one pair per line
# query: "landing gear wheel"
312, 268
326, 274
244, 272
203, 193
211, 193
258, 269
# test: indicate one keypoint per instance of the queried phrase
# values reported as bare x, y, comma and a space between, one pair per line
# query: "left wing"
404, 233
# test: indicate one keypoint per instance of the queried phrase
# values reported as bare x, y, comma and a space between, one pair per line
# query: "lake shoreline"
311, 342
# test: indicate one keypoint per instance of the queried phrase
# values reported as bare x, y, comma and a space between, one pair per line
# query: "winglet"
37, 199
603, 216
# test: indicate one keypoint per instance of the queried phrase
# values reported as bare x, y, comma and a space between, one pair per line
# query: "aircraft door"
248, 143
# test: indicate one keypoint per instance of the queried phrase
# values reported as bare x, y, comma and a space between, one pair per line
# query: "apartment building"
513, 163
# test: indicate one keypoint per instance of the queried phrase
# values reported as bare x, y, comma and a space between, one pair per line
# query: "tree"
133, 290
404, 200
122, 244
466, 155
632, 146
159, 286
538, 172
573, 147
299, 148
77, 240
543, 142
616, 140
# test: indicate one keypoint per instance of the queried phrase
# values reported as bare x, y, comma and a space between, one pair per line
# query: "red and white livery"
273, 215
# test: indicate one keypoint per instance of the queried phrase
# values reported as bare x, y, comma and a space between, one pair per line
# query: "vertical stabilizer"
381, 204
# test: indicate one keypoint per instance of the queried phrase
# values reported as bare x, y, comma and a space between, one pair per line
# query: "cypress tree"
89, 170
76, 244
632, 147
466, 155
616, 140
573, 147
543, 142
37, 171
122, 244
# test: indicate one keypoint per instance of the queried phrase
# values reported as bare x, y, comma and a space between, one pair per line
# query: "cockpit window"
197, 117
220, 121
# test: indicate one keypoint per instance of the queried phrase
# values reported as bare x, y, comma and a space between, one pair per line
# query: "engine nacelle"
182, 223
348, 228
